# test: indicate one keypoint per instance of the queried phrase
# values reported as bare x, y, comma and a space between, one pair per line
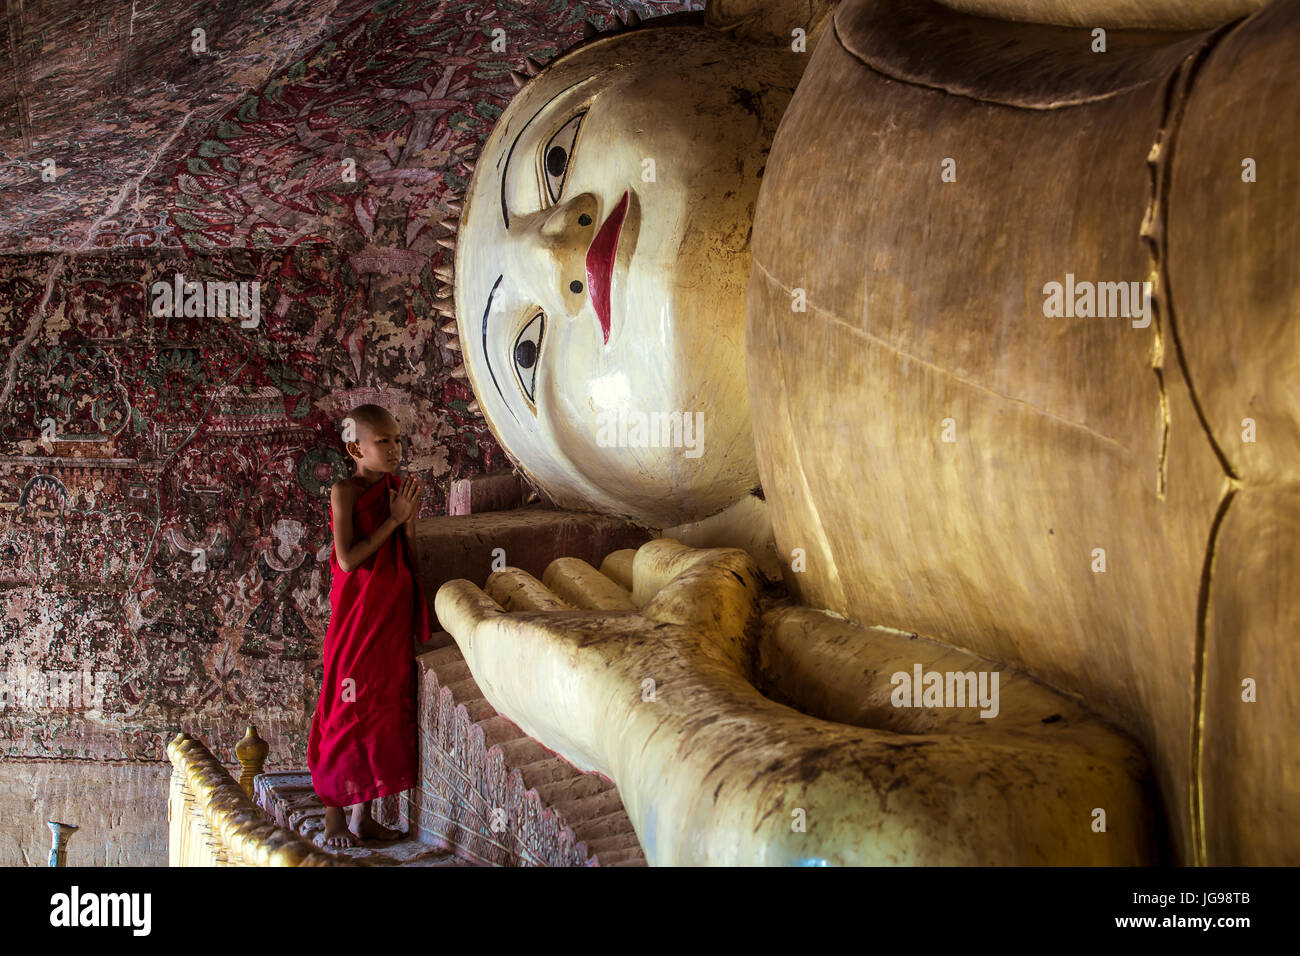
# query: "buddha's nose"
567, 232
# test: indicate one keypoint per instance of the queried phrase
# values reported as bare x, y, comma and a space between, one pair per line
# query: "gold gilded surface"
1233, 268
1251, 717
1233, 277
212, 821
251, 753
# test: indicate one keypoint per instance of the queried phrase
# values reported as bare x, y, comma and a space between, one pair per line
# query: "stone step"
542, 772
628, 857
584, 808
586, 803
609, 825
465, 690
619, 841
499, 730
438, 640
289, 800
494, 491
452, 672
574, 788
479, 710
523, 751
442, 656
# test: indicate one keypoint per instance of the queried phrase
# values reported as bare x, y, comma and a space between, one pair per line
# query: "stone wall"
121, 809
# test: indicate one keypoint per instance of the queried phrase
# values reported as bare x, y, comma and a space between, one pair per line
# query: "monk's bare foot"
337, 833
368, 828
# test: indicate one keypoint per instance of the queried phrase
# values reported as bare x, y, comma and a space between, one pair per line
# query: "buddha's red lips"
600, 263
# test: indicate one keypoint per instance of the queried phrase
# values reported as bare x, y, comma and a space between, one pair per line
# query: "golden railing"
213, 822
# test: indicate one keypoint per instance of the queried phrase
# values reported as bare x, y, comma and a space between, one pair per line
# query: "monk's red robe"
363, 736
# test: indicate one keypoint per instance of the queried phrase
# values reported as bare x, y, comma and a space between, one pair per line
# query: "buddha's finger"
462, 606
577, 582
517, 590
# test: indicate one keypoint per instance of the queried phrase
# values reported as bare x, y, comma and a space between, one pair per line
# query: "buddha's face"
602, 262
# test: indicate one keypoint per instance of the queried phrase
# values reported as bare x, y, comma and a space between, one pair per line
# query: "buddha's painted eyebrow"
488, 358
505, 213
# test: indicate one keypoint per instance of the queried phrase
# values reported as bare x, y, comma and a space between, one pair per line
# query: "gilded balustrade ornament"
251, 753
212, 821
866, 307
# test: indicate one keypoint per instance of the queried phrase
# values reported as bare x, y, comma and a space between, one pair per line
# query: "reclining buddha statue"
952, 350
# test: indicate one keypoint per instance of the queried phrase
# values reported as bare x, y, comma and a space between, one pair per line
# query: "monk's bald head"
366, 419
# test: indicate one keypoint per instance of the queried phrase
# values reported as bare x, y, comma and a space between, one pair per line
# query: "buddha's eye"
527, 350
557, 155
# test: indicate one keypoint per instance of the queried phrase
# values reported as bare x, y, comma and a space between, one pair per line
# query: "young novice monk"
362, 742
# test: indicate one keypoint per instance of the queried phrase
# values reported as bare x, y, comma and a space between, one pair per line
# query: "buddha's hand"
572, 658
645, 676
